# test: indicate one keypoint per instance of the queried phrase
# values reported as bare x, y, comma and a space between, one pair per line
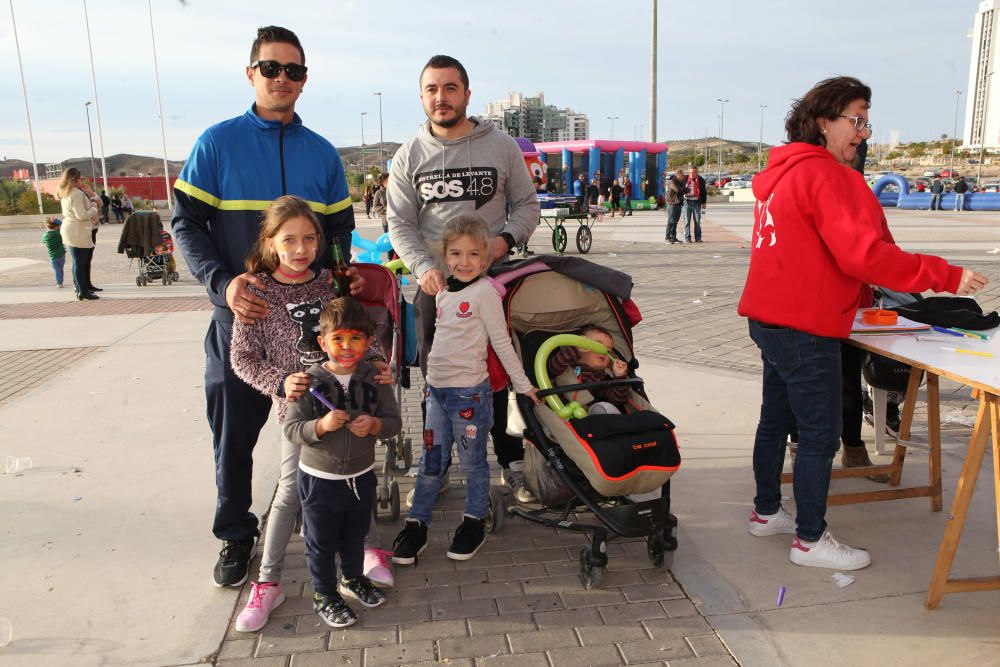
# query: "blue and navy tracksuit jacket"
235, 170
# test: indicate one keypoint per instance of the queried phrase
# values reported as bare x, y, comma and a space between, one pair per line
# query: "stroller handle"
574, 409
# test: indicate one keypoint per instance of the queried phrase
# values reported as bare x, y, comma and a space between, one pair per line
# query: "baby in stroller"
571, 365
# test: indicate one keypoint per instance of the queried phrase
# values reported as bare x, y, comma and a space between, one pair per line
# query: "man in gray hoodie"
457, 164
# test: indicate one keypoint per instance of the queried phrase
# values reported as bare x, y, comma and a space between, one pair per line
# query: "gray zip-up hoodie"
341, 452
433, 180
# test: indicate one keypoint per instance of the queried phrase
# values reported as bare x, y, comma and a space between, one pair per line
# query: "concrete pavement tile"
617, 577
483, 646
487, 559
657, 576
632, 612
595, 597
516, 572
492, 625
655, 650
591, 635
558, 584
679, 608
464, 609
704, 645
456, 577
274, 661
530, 603
710, 661
592, 656
293, 606
542, 640
564, 568
670, 628
360, 636
515, 545
395, 615
491, 590
327, 658
567, 618
643, 592
458, 627
288, 644
409, 596
237, 648
399, 654
519, 660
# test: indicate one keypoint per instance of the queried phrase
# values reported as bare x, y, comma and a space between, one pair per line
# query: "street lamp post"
722, 131
613, 119
364, 176
97, 101
958, 95
90, 136
381, 141
760, 138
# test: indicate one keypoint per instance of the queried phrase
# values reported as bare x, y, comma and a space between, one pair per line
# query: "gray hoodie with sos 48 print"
433, 180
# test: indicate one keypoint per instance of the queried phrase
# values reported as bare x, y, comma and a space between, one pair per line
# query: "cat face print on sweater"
306, 315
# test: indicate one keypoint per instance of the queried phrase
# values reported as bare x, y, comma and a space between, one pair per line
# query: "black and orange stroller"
607, 475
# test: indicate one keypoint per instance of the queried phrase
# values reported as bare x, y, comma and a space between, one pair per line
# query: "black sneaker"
363, 590
469, 537
234, 562
892, 419
410, 543
333, 610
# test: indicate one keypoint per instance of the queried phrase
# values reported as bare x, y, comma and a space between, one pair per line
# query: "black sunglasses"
270, 69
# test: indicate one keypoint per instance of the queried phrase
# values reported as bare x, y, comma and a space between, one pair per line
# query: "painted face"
592, 360
296, 245
277, 96
842, 135
466, 260
444, 96
345, 347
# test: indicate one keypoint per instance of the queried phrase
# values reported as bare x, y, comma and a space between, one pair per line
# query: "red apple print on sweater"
463, 310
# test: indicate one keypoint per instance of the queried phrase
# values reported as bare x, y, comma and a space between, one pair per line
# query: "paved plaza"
107, 545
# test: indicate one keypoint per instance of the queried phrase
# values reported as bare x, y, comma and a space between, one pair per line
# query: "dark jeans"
336, 514
935, 202
506, 447
236, 414
692, 208
801, 384
673, 217
628, 204
81, 268
851, 358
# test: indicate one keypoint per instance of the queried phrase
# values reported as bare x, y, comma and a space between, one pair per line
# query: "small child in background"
458, 395
336, 481
54, 245
593, 367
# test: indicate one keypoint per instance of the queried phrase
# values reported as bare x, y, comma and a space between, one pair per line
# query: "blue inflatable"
914, 201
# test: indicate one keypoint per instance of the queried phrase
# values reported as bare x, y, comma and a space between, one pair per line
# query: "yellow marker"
972, 352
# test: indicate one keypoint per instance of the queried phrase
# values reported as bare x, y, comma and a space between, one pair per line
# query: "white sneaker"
762, 525
445, 484
513, 476
828, 553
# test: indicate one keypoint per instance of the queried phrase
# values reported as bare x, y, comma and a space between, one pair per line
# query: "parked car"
992, 186
946, 173
932, 173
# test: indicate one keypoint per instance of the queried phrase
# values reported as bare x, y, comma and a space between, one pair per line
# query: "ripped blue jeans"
460, 416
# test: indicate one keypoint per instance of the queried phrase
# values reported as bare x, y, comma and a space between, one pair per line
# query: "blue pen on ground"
945, 330
781, 595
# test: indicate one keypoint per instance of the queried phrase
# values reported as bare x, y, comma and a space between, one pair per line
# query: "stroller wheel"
591, 569
407, 453
138, 281
394, 500
497, 512
175, 276
656, 549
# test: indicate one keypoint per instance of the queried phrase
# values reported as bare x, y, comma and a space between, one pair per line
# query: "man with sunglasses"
235, 170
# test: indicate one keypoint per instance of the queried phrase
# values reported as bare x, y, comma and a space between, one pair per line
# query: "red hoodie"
819, 239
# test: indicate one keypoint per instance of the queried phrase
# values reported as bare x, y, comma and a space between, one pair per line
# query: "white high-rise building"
982, 103
530, 117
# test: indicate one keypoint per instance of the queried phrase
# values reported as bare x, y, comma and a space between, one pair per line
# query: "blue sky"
593, 57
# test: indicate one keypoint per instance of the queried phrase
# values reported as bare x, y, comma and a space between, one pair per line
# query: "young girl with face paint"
459, 400
272, 356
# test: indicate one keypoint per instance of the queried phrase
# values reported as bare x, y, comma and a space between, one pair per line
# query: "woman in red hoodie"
819, 239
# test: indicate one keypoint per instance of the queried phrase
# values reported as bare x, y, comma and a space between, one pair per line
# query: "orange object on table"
879, 317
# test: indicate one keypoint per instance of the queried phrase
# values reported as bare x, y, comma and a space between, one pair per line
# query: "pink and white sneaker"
264, 597
761, 525
377, 567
